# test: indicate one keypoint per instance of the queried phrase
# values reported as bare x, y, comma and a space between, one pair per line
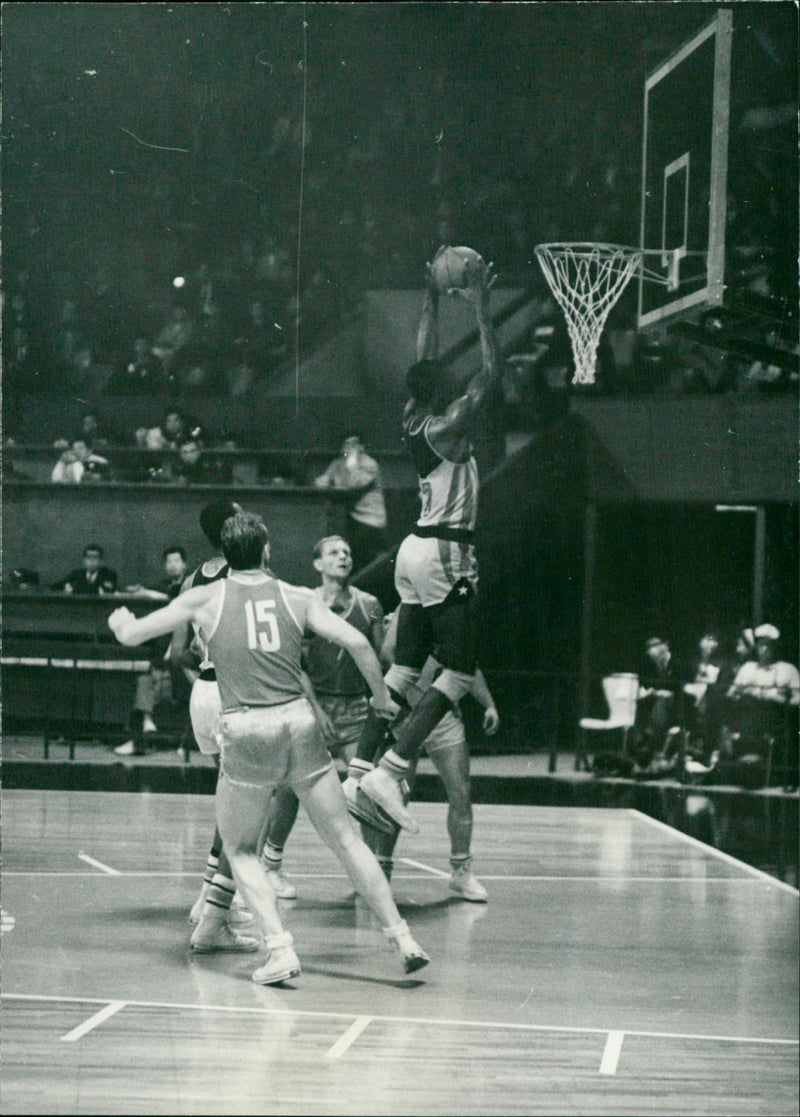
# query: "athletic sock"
221, 892
394, 764
357, 768
460, 861
272, 857
212, 864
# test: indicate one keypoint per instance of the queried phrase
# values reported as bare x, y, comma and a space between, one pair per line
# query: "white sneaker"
284, 889
148, 725
414, 957
197, 906
465, 884
239, 917
218, 937
128, 749
282, 963
379, 786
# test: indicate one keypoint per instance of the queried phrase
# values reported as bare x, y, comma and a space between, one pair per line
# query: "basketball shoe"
282, 962
214, 934
386, 791
414, 957
465, 884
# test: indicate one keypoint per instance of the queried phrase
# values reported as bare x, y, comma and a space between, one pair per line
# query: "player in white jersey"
254, 626
436, 571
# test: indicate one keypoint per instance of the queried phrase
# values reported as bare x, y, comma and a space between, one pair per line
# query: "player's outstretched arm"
428, 330
131, 630
325, 623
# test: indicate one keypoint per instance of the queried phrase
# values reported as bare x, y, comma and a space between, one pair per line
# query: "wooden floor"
618, 968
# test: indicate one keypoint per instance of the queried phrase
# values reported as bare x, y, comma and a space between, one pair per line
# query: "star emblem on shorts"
462, 591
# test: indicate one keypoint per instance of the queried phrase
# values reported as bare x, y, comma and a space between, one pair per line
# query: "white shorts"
205, 710
273, 745
427, 569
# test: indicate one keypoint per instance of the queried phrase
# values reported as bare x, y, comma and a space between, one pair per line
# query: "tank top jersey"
256, 642
448, 490
333, 670
199, 578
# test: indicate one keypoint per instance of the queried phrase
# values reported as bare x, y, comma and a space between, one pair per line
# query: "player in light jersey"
254, 627
436, 571
336, 688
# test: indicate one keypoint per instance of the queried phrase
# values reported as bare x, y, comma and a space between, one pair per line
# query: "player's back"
257, 640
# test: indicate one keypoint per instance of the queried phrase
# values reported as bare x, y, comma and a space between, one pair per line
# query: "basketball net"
586, 280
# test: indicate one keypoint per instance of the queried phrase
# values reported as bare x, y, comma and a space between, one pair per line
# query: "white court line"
611, 1053
99, 865
348, 1038
729, 858
422, 1020
426, 868
137, 873
93, 1021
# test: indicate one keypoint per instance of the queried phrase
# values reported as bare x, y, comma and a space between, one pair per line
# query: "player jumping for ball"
436, 572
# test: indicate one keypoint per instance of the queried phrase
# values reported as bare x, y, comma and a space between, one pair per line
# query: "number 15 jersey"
256, 642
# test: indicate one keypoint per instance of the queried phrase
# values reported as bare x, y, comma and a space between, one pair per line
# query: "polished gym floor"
620, 967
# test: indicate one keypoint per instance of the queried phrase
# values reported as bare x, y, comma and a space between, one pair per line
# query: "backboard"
684, 176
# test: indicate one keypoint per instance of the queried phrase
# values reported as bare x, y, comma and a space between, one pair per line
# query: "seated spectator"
175, 335
761, 697
704, 697
169, 435
92, 577
193, 466
78, 464
94, 433
165, 681
654, 739
360, 474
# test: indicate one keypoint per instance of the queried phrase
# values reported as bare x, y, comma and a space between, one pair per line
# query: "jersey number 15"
263, 633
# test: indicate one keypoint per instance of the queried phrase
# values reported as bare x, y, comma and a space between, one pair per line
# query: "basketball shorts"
448, 734
273, 745
348, 715
426, 570
205, 709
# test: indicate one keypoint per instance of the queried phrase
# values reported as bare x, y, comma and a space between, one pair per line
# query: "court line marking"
135, 874
720, 854
426, 868
611, 1053
99, 865
423, 1020
93, 1021
348, 1038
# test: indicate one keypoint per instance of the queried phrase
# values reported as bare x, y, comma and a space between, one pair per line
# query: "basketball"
453, 267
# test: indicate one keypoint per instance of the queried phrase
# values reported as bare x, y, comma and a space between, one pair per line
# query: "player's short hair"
93, 549
353, 432
213, 516
244, 537
319, 546
176, 550
423, 379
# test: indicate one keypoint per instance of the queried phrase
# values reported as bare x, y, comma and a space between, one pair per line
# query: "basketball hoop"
586, 280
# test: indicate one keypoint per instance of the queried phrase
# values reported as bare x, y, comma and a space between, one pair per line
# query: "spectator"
143, 372
169, 435
655, 709
358, 473
93, 432
704, 696
761, 697
78, 464
164, 682
92, 577
193, 467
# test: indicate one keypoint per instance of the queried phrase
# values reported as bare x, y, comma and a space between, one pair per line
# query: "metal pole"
589, 560
759, 565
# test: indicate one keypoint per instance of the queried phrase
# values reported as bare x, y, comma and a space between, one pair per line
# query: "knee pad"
401, 679
453, 684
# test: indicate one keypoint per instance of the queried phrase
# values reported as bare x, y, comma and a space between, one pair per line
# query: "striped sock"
395, 765
460, 861
357, 768
221, 892
271, 857
212, 864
